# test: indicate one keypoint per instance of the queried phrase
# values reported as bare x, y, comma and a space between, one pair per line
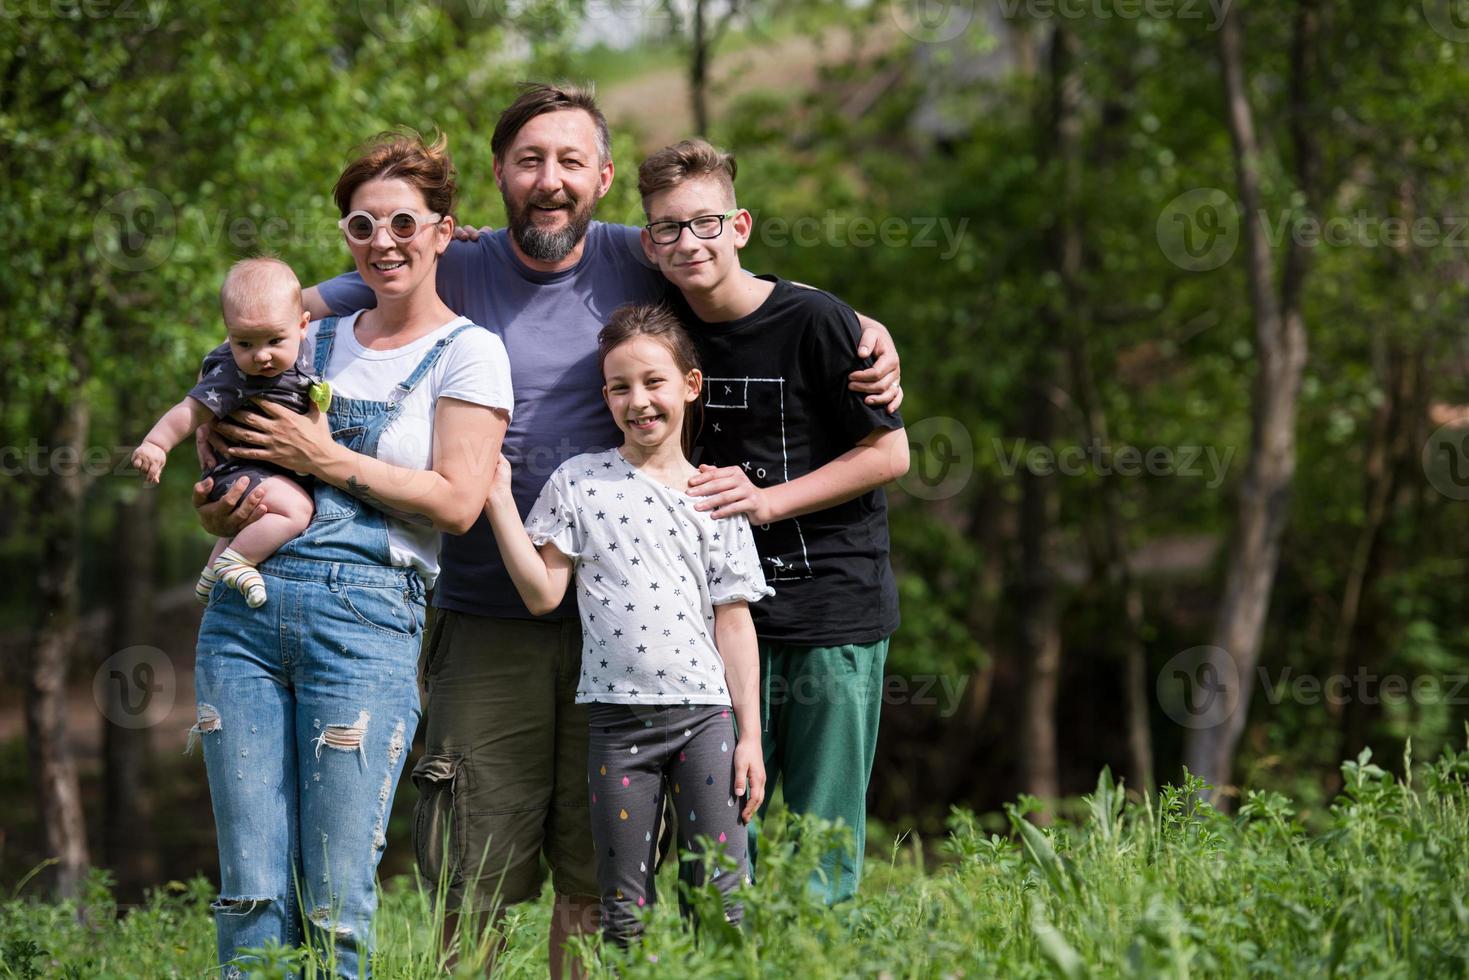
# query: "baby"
266, 322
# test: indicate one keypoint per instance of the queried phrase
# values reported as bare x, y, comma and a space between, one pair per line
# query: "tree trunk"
699, 70
58, 512
1109, 539
128, 844
1280, 340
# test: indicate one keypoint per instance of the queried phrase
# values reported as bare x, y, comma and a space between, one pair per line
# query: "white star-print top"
649, 571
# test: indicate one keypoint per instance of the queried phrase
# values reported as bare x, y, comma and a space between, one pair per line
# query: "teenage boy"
805, 458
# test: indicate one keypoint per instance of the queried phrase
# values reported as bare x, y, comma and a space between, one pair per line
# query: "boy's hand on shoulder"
749, 774
149, 460
727, 491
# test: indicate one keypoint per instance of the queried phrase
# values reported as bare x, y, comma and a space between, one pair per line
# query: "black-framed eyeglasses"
703, 226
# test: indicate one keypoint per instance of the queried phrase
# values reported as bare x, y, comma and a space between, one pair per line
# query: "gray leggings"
636, 754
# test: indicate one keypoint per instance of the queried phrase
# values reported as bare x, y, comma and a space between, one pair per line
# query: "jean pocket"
384, 609
438, 820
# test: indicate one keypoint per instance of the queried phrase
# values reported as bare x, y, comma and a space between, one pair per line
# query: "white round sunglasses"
403, 225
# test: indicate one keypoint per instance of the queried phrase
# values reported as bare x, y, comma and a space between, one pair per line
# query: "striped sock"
238, 572
205, 585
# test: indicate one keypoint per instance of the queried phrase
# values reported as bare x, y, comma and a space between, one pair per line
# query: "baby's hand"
749, 774
148, 459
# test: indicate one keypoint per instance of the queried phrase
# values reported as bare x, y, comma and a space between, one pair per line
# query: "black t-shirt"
776, 402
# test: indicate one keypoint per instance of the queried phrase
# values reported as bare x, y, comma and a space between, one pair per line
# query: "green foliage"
1168, 888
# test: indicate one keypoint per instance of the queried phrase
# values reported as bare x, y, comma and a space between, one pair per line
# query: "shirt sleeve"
477, 370
347, 293
734, 569
221, 387
553, 517
831, 354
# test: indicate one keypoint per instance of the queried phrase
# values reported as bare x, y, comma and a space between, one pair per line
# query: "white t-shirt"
649, 571
473, 368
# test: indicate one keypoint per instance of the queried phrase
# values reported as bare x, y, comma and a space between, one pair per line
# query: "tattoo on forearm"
363, 492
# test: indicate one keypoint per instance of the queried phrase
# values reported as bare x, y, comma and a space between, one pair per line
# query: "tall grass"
1164, 887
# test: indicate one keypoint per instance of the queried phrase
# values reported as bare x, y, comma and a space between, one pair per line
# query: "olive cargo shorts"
503, 779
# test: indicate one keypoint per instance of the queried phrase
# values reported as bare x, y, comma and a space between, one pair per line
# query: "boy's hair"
537, 98
682, 161
256, 283
654, 320
402, 155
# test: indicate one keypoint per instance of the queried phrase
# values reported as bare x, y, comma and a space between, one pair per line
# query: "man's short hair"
537, 98
682, 161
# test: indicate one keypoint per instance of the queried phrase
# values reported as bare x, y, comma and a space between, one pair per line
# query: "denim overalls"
307, 708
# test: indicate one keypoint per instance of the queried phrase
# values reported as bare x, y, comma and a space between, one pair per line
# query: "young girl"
668, 645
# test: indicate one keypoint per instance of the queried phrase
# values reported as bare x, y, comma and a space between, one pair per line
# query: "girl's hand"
729, 492
295, 442
500, 492
749, 773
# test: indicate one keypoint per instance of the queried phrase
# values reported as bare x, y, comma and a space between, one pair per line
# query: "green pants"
819, 707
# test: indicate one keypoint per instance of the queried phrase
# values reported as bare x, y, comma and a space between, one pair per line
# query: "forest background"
1178, 287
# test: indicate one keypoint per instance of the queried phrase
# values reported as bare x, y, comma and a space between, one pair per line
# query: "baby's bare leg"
289, 511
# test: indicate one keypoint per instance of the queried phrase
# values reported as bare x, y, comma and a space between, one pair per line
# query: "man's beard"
548, 246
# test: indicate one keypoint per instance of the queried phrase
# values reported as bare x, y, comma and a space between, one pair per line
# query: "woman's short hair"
402, 155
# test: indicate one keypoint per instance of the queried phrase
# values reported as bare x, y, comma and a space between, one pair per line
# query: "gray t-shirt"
649, 571
549, 322
223, 387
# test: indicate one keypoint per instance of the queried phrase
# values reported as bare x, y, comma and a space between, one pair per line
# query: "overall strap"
326, 332
424, 366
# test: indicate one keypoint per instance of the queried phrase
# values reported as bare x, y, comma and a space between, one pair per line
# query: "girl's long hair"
658, 322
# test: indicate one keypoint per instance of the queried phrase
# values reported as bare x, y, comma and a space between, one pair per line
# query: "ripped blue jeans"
306, 712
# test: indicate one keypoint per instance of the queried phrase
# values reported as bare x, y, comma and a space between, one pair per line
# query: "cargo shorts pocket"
438, 820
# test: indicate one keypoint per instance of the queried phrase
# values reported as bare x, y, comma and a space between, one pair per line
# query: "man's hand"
749, 773
224, 517
882, 381
728, 491
469, 233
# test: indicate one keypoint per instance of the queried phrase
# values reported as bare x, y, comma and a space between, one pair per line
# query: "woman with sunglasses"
308, 705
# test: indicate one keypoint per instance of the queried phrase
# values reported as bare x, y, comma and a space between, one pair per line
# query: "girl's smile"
648, 394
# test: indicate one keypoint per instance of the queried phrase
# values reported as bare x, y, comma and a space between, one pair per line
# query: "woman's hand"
299, 443
749, 773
